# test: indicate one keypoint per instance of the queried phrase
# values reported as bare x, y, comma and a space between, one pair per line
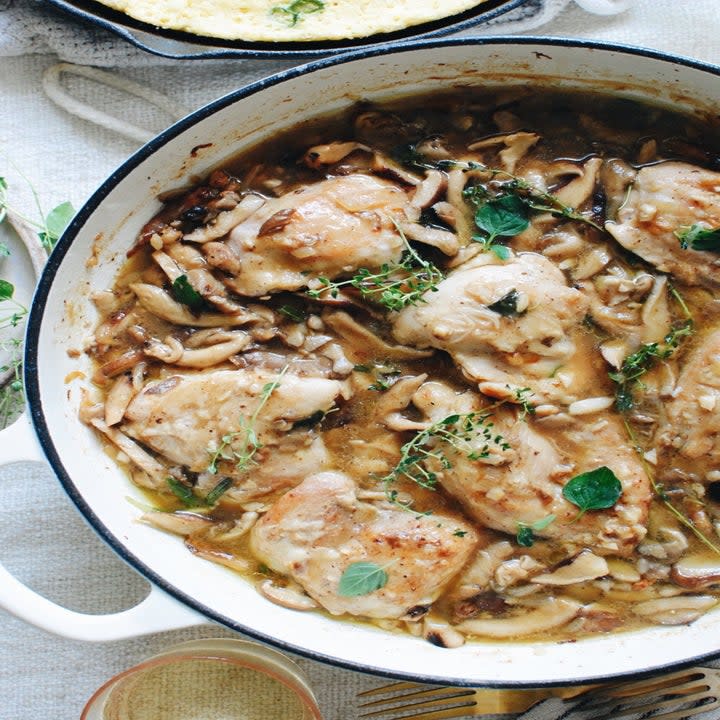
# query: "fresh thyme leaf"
426, 455
505, 216
243, 444
507, 304
362, 578
293, 12
362, 368
697, 237
597, 489
460, 533
7, 290
289, 311
219, 490
627, 378
394, 285
521, 397
183, 492
186, 294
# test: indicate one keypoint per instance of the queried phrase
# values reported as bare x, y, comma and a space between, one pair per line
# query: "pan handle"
156, 613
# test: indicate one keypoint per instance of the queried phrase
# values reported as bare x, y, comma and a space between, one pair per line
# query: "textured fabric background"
42, 539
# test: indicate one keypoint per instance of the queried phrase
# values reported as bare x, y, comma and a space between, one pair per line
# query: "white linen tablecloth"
42, 538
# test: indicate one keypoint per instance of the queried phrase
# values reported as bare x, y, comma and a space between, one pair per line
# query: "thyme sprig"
628, 378
242, 445
428, 453
13, 313
661, 493
394, 285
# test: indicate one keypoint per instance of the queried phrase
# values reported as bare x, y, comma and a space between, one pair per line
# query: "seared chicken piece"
187, 419
317, 530
522, 477
507, 325
326, 229
689, 436
665, 198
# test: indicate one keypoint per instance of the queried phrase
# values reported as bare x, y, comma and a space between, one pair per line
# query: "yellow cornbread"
288, 20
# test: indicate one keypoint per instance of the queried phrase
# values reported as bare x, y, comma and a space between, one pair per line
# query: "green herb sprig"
425, 455
697, 237
628, 378
293, 13
394, 286
242, 445
12, 313
187, 496
660, 492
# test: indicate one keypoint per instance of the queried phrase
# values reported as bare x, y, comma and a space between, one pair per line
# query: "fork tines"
414, 701
681, 695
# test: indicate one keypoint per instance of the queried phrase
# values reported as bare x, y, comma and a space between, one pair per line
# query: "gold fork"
679, 695
433, 702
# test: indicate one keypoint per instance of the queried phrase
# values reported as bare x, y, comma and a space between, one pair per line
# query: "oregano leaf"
597, 489
362, 578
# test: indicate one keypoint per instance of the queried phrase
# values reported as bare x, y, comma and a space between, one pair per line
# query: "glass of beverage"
214, 679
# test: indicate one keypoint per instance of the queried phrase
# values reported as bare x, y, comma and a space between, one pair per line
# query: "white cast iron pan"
94, 247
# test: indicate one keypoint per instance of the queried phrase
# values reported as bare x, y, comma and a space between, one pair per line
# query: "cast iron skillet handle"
156, 613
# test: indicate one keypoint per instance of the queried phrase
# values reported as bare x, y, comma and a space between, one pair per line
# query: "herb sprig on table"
12, 313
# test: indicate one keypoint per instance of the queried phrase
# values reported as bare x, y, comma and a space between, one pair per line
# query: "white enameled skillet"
187, 589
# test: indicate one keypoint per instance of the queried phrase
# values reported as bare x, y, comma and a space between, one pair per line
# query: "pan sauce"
397, 366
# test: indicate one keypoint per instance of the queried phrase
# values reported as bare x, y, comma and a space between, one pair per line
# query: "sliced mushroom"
669, 543
200, 357
288, 597
118, 399
441, 633
577, 191
586, 566
146, 462
226, 220
180, 522
678, 610
696, 572
372, 345
551, 613
516, 146
430, 189
155, 300
655, 313
319, 155
443, 240
398, 397
118, 365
